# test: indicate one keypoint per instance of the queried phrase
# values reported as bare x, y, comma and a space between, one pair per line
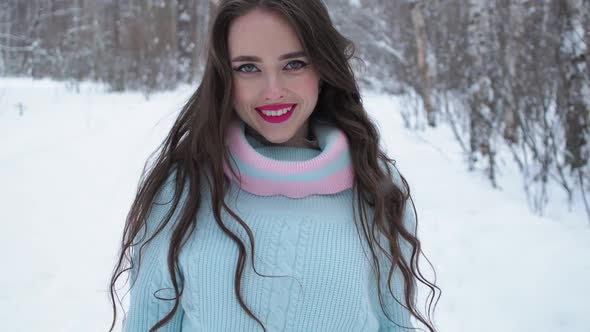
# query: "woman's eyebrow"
252, 58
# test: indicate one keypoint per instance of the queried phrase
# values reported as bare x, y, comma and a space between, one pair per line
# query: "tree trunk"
512, 35
186, 35
422, 62
574, 85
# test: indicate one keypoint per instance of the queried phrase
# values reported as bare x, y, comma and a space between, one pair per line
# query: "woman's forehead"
262, 33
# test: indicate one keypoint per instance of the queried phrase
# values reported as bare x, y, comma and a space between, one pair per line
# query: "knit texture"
320, 276
328, 172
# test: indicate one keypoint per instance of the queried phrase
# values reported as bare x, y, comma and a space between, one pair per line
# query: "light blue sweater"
312, 240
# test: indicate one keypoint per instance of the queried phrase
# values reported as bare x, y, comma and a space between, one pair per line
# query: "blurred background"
485, 105
509, 73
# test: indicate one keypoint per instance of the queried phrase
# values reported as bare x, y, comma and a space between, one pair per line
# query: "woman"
271, 206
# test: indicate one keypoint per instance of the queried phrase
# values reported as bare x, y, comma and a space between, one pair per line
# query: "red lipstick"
273, 107
277, 113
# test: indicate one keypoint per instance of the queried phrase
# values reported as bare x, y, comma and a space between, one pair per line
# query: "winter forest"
511, 77
483, 104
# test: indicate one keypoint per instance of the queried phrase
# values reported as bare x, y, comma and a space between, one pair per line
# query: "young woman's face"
275, 86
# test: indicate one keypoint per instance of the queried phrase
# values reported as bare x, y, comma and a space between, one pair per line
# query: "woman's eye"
291, 66
296, 64
247, 68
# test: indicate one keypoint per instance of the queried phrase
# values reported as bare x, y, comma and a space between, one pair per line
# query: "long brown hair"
196, 145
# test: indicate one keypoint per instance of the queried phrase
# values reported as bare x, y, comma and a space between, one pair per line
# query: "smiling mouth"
275, 110
276, 113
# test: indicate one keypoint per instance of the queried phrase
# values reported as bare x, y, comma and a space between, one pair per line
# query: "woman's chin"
277, 139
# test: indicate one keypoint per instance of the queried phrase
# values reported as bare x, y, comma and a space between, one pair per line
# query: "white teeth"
277, 112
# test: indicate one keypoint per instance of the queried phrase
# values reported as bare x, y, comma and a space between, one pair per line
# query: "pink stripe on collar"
333, 145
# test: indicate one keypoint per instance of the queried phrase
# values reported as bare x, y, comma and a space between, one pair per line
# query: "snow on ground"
69, 166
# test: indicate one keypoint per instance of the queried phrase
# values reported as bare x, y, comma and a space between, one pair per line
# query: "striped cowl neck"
326, 173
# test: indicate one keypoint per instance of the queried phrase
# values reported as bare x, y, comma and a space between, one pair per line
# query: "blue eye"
298, 65
246, 66
294, 65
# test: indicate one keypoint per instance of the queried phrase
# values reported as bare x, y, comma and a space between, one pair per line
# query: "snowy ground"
69, 165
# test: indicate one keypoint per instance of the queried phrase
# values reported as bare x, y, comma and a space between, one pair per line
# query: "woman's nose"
273, 89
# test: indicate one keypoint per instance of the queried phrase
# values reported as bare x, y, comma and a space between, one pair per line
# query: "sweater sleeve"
152, 281
395, 310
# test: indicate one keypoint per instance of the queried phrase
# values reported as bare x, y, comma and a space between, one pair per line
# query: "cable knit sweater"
298, 204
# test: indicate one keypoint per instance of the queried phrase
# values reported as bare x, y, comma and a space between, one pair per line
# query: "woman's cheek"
241, 93
310, 84
249, 88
